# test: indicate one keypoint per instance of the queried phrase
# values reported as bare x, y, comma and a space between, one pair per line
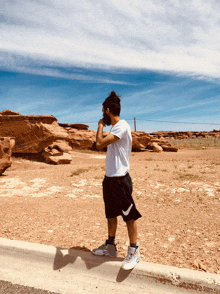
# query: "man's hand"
101, 123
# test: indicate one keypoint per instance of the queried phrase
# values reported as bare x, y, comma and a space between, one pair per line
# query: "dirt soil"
178, 195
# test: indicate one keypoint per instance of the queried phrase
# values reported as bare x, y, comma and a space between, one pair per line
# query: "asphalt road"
9, 288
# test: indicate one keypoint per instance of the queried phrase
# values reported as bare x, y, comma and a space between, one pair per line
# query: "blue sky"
162, 57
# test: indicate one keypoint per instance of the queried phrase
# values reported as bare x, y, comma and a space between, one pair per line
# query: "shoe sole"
128, 269
105, 254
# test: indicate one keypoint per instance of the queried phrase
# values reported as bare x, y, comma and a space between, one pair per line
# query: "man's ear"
107, 111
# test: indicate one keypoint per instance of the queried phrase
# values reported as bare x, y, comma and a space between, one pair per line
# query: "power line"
162, 121
176, 122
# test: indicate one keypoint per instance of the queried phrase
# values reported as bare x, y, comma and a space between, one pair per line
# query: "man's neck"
115, 120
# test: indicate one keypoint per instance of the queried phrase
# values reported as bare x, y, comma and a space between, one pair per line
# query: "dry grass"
188, 176
78, 172
196, 143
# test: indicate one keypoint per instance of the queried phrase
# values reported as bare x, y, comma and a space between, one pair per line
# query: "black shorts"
117, 195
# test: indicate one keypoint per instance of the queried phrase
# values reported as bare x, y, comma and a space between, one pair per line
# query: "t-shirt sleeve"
118, 131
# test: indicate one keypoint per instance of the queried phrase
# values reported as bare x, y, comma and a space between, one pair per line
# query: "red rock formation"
32, 133
9, 112
56, 157
74, 126
6, 146
169, 148
82, 139
61, 145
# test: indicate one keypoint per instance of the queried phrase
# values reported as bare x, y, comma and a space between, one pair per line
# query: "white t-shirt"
117, 157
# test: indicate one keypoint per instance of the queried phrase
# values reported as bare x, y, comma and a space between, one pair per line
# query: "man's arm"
104, 142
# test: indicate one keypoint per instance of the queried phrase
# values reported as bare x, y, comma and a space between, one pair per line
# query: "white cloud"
177, 36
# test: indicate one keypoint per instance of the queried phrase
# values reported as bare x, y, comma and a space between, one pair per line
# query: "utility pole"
135, 124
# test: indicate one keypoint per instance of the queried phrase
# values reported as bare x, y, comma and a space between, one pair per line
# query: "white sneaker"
106, 249
132, 258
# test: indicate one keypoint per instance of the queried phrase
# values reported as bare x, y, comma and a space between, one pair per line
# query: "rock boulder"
74, 126
169, 148
56, 157
61, 145
6, 146
82, 139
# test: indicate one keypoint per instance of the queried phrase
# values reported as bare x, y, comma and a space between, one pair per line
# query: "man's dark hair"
113, 103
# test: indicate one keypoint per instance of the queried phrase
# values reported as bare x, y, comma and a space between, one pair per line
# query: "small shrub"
188, 176
78, 172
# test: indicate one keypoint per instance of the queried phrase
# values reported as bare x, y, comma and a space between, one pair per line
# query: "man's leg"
109, 248
112, 226
133, 255
132, 231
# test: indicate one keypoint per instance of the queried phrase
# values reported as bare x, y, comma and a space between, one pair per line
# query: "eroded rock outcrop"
74, 126
6, 146
57, 153
144, 141
82, 139
32, 133
56, 157
9, 112
86, 139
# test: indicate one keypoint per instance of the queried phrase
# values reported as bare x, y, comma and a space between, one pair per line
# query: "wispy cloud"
174, 36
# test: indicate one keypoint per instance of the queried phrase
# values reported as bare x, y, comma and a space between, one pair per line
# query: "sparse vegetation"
89, 151
78, 172
215, 163
188, 176
98, 178
196, 143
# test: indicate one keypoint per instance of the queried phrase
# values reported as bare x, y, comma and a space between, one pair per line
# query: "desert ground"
178, 195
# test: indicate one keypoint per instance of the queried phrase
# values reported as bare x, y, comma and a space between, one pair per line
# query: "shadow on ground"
63, 259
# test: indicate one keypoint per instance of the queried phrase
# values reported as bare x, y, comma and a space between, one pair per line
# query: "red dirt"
178, 195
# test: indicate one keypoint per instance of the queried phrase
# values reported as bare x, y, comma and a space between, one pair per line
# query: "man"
117, 184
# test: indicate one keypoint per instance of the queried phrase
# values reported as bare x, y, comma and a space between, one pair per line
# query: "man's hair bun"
113, 103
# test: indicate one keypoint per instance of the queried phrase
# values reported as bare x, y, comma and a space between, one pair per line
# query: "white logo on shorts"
128, 210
